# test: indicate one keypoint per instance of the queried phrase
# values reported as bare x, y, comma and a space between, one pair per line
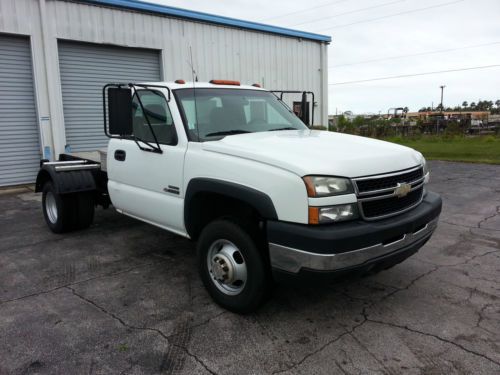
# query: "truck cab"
265, 197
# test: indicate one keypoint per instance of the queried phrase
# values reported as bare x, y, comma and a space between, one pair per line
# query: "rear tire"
232, 267
84, 210
58, 210
67, 212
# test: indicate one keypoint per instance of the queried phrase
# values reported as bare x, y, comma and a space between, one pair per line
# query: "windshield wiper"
285, 128
227, 132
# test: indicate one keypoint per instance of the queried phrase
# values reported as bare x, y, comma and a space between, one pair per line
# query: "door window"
157, 111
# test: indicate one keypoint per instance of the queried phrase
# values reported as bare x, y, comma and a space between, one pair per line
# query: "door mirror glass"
120, 111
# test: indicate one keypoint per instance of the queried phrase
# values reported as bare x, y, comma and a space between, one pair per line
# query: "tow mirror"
120, 111
301, 109
304, 110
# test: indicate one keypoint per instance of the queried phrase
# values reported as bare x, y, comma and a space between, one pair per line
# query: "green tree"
465, 104
358, 121
342, 123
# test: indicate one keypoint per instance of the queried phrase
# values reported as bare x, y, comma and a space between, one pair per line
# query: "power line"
414, 54
414, 75
345, 13
392, 15
304, 10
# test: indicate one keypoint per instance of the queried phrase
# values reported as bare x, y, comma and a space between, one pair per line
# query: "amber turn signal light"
311, 191
313, 215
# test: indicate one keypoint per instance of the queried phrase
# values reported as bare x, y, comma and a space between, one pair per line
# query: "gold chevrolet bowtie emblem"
402, 189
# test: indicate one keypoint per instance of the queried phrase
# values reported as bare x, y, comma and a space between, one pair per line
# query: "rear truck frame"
236, 170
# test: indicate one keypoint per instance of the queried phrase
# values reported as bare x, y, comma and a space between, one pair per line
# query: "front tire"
232, 267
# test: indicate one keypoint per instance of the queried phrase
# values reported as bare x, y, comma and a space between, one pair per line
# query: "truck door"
144, 182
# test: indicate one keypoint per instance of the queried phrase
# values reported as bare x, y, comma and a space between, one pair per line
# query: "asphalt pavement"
124, 297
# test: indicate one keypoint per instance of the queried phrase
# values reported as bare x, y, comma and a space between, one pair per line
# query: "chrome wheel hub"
221, 268
227, 267
51, 207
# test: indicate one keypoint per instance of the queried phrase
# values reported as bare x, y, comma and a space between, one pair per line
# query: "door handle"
120, 155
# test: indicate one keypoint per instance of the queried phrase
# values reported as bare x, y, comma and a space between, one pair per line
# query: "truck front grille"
378, 195
389, 181
383, 207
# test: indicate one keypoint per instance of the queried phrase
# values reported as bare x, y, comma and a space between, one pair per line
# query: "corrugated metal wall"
19, 136
85, 68
276, 61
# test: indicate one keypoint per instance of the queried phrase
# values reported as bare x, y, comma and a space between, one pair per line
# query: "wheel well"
42, 177
205, 207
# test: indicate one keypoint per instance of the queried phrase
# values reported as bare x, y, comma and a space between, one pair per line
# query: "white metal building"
55, 56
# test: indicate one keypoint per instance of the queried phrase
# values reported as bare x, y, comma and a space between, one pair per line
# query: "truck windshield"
212, 113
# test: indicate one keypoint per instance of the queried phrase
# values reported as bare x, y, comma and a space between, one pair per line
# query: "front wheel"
231, 266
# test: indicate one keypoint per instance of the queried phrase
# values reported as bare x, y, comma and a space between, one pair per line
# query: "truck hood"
310, 152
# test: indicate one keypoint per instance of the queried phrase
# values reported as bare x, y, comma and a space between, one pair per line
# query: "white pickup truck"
265, 197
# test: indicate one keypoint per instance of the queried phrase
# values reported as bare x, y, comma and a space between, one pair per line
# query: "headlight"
332, 214
321, 186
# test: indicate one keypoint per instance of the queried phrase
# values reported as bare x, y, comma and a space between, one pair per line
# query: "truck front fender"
197, 187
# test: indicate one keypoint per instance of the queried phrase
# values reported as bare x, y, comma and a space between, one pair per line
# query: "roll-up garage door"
85, 69
19, 135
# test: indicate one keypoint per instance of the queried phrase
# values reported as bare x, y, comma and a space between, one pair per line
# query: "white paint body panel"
286, 190
136, 184
311, 152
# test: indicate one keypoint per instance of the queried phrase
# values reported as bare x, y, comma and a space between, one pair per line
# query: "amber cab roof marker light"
180, 81
224, 82
256, 85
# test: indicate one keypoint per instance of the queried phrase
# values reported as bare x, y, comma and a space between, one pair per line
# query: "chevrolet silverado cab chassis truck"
233, 168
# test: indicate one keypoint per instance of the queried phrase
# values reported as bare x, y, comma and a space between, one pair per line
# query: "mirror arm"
151, 149
157, 86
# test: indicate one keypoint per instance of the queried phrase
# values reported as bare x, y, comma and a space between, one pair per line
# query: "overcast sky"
407, 28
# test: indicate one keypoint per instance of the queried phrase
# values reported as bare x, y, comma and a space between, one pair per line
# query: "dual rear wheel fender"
66, 212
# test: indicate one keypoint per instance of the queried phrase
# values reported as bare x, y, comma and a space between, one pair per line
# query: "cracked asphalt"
124, 297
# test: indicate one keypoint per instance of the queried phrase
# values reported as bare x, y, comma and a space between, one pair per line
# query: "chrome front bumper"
293, 260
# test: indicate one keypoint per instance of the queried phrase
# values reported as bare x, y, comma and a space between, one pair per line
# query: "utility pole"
442, 89
442, 108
